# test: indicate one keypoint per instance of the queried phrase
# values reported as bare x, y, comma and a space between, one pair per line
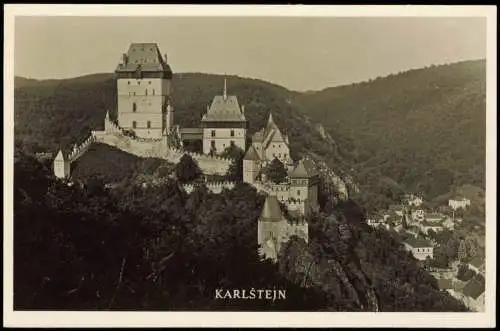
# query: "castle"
145, 127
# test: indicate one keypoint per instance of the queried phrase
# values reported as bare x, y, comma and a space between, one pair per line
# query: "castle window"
134, 94
213, 133
128, 82
153, 91
232, 143
212, 143
149, 82
232, 133
149, 124
139, 82
298, 192
146, 91
134, 106
284, 155
279, 154
134, 124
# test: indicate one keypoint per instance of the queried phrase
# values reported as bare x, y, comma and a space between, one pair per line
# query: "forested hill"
57, 113
420, 130
424, 128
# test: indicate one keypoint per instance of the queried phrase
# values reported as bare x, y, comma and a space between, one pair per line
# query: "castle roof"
418, 242
224, 108
304, 169
474, 288
60, 156
251, 154
145, 56
271, 211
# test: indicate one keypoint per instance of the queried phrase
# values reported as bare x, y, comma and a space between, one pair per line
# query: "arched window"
134, 106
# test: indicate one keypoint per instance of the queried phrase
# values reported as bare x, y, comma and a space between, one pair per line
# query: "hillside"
57, 113
156, 248
424, 128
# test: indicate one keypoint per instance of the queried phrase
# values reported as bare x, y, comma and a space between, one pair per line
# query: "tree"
235, 170
462, 250
187, 169
276, 171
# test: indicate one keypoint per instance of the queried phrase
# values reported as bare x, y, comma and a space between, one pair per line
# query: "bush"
187, 169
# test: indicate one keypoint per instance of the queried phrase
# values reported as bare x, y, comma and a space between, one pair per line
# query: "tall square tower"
143, 81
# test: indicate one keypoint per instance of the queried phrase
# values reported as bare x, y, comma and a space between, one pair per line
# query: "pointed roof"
224, 108
304, 169
271, 212
252, 154
146, 56
60, 156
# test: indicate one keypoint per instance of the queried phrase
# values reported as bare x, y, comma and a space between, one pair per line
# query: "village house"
420, 248
458, 202
474, 292
435, 218
477, 265
425, 226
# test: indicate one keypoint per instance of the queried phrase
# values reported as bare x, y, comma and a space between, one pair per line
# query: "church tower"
143, 81
61, 166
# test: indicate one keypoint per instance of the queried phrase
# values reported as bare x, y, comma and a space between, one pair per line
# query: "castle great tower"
144, 81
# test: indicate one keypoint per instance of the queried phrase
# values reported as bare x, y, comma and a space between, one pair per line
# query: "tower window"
232, 133
134, 106
149, 124
134, 124
153, 91
134, 94
298, 192
213, 133
149, 82
146, 91
139, 82
128, 82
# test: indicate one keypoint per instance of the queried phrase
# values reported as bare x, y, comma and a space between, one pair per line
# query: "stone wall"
78, 151
158, 148
214, 187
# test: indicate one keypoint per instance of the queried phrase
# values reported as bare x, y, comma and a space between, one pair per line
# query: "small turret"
61, 165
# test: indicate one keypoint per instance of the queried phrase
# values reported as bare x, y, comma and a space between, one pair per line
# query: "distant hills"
420, 130
424, 128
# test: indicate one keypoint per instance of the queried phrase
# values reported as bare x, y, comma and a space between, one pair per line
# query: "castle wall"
159, 149
214, 187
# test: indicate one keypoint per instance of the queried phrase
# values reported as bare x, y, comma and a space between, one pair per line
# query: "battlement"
78, 151
214, 187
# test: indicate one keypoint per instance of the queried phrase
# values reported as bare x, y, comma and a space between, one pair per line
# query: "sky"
299, 53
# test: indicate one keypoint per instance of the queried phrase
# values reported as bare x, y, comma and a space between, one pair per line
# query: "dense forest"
86, 247
423, 129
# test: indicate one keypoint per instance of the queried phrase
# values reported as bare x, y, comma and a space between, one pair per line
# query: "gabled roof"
224, 108
251, 154
304, 169
445, 283
477, 262
271, 212
417, 242
147, 56
474, 288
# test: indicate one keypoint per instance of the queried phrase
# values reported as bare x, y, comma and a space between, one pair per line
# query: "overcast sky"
298, 53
